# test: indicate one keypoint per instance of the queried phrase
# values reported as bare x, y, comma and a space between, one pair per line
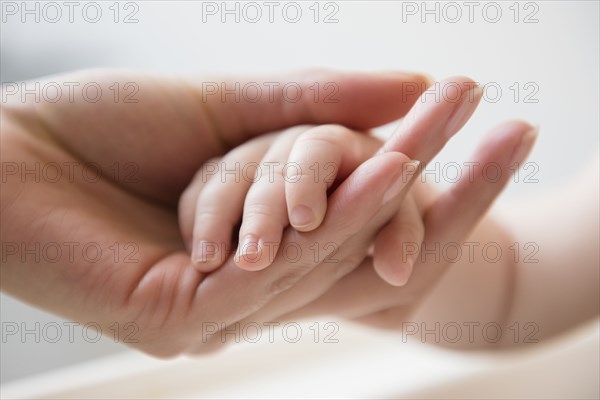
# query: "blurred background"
538, 61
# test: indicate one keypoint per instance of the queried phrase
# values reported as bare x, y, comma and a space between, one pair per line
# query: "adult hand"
93, 234
340, 288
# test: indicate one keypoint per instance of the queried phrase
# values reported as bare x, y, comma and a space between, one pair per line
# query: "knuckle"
213, 190
267, 173
278, 170
330, 134
297, 130
208, 213
298, 172
215, 217
257, 210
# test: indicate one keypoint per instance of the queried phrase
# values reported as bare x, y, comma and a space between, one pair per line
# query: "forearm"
545, 282
472, 300
562, 289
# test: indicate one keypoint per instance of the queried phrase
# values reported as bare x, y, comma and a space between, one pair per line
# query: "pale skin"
169, 134
557, 292
306, 162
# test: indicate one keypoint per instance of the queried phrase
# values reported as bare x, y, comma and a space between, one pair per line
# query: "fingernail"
408, 170
301, 216
468, 102
204, 252
525, 145
248, 246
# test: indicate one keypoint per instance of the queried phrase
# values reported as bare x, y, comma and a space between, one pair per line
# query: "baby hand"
269, 183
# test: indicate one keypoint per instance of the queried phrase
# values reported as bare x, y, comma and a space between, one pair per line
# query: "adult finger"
398, 244
365, 190
439, 114
184, 121
449, 220
356, 100
458, 209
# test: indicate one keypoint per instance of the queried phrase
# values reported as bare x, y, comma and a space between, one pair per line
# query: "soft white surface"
560, 54
363, 364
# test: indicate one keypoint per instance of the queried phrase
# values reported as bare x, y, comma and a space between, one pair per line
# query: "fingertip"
305, 219
205, 255
459, 80
255, 254
398, 245
428, 79
395, 273
389, 264
203, 266
513, 127
301, 217
252, 262
514, 139
208, 265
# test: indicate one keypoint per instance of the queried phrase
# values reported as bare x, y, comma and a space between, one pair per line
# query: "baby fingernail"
248, 246
204, 252
301, 216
